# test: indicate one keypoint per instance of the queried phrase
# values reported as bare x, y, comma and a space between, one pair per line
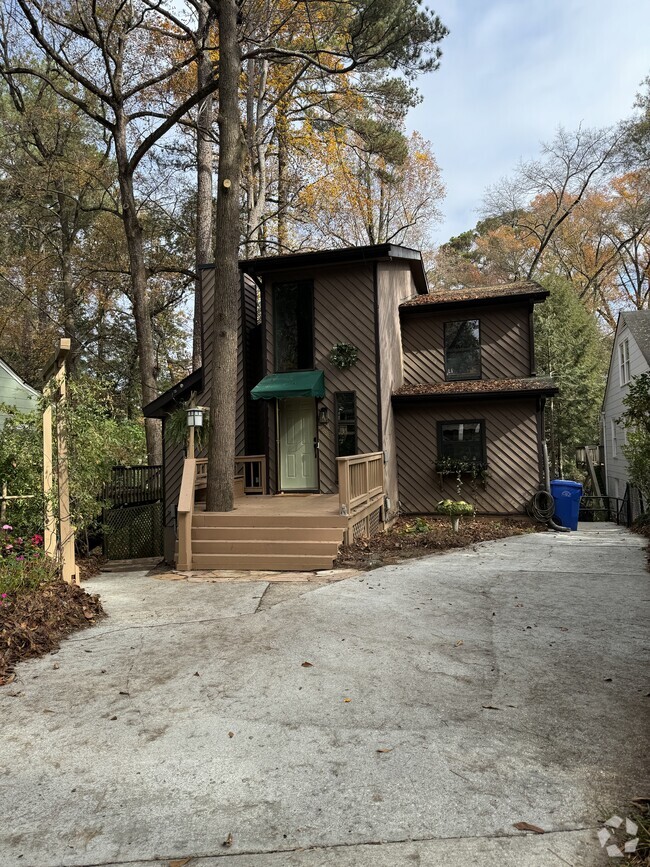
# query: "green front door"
297, 428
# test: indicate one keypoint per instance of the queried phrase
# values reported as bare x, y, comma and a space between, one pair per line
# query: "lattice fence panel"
132, 532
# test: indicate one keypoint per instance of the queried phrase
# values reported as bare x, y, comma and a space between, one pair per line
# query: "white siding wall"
613, 409
13, 392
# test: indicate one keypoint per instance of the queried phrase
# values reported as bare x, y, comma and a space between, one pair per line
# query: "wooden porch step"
247, 547
263, 562
232, 519
270, 534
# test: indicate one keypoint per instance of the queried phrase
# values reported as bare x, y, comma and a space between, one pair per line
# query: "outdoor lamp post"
194, 420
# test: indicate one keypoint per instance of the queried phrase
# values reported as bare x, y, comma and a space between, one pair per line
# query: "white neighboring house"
630, 358
14, 391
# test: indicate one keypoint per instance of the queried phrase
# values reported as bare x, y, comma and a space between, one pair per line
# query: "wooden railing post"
184, 513
344, 487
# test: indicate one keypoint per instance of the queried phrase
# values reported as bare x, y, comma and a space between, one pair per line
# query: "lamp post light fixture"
194, 419
195, 416
323, 416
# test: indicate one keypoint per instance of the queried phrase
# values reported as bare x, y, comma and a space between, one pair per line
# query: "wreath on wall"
344, 355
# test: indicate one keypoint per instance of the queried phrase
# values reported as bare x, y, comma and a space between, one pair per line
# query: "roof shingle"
478, 387
522, 288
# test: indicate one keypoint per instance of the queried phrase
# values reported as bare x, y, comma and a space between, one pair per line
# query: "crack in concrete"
158, 626
316, 848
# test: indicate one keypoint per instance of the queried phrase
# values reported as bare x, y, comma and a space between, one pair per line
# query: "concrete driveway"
447, 699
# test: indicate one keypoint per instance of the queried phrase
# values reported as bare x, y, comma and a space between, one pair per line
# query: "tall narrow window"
463, 349
624, 361
346, 424
293, 325
462, 441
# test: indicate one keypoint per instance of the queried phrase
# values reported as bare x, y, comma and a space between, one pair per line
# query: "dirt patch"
33, 623
417, 537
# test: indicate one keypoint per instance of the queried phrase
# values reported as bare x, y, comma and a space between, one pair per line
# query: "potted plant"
455, 509
458, 467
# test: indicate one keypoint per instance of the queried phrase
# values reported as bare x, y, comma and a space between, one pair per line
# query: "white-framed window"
624, 361
614, 438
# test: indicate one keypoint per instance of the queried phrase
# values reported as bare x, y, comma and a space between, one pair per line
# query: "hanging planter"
343, 355
457, 467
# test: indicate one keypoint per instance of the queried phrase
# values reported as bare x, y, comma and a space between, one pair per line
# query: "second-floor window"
624, 361
463, 349
293, 325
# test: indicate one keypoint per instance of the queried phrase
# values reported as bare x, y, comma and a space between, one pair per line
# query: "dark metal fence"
131, 532
133, 485
133, 515
621, 510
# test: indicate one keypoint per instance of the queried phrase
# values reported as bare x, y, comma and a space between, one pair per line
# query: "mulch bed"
33, 623
397, 544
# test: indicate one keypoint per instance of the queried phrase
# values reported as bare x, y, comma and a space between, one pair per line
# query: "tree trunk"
204, 163
223, 396
140, 301
282, 130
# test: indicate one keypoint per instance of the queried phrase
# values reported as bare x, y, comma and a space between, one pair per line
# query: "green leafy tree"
98, 439
637, 422
574, 352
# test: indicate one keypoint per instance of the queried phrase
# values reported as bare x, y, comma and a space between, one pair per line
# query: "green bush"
23, 565
98, 439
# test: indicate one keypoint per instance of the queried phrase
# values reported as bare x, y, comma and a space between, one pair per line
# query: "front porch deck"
301, 532
264, 506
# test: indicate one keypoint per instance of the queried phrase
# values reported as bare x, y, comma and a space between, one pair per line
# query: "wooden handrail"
361, 481
254, 472
184, 513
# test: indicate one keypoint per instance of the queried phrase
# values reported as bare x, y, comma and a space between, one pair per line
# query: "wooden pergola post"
55, 390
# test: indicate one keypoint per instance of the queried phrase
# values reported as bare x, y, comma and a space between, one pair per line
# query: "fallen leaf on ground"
386, 750
458, 643
88, 614
179, 862
122, 692
231, 734
196, 674
526, 826
490, 707
346, 700
56, 665
228, 841
113, 717
308, 665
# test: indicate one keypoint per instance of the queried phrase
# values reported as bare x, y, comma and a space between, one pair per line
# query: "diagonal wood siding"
504, 343
344, 312
512, 454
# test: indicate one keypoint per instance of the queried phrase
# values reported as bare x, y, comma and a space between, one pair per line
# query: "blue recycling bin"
567, 502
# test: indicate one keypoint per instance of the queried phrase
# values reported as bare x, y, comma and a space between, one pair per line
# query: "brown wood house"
439, 383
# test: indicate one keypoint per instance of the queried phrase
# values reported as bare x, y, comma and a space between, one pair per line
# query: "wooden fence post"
56, 372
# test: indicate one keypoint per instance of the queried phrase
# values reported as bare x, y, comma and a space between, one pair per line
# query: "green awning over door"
299, 383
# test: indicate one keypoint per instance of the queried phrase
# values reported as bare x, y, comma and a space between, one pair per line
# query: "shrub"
23, 565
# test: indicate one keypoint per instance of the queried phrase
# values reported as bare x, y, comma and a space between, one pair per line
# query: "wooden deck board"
285, 505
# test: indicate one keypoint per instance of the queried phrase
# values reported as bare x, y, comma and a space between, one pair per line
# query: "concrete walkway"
447, 699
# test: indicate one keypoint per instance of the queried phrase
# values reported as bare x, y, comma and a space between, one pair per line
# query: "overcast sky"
511, 72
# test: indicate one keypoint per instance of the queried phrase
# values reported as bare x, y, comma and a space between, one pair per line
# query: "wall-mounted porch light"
323, 416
